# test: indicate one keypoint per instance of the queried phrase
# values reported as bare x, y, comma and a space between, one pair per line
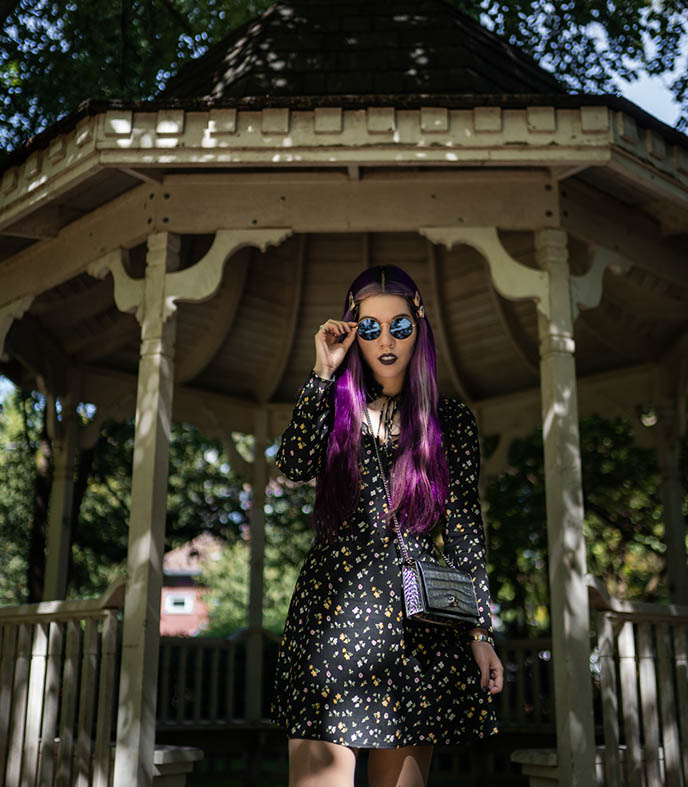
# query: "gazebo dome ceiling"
310, 47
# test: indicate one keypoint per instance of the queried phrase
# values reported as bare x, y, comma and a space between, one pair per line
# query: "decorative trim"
586, 290
200, 282
509, 277
128, 291
10, 313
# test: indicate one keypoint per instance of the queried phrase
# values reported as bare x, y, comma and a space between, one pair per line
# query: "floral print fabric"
351, 668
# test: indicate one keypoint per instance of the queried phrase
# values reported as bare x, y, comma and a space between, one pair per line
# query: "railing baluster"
51, 701
610, 709
214, 683
87, 702
9, 650
19, 694
181, 684
670, 741
37, 670
70, 676
163, 713
681, 662
229, 685
648, 695
106, 698
198, 681
630, 705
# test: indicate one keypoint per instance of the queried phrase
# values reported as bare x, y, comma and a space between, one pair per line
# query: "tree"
53, 56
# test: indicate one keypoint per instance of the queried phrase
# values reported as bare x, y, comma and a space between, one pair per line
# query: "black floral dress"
351, 668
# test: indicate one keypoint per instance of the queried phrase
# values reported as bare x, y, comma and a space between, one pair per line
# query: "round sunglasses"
401, 328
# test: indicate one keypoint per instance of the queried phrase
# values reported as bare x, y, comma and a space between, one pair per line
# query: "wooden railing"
643, 651
526, 703
202, 680
58, 691
641, 693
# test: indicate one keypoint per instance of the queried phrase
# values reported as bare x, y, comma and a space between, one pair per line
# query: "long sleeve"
304, 442
462, 527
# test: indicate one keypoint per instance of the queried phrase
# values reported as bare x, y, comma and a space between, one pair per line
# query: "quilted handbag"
433, 593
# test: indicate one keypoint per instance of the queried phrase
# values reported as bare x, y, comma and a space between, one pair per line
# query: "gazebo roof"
360, 47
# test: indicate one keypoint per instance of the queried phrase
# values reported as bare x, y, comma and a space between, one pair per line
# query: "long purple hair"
420, 476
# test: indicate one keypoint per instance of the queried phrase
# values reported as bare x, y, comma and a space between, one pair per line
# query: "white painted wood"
200, 282
681, 664
19, 706
128, 292
48, 263
141, 630
68, 708
87, 703
8, 314
586, 290
7, 663
669, 719
106, 700
254, 644
34, 707
610, 709
510, 278
51, 701
648, 701
630, 705
566, 542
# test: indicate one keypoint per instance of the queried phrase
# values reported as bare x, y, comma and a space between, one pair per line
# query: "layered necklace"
390, 407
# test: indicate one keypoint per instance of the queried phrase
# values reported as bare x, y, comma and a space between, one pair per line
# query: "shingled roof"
360, 47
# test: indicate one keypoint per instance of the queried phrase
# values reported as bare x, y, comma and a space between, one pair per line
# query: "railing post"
565, 538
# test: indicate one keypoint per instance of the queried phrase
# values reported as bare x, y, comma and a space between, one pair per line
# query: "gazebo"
172, 258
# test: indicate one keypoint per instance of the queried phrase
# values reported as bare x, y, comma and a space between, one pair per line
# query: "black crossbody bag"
433, 593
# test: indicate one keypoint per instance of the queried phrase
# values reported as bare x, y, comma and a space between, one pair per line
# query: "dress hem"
377, 745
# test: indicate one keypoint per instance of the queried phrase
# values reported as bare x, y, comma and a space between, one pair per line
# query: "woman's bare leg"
319, 763
404, 767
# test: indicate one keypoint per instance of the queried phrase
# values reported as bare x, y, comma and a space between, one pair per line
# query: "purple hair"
420, 476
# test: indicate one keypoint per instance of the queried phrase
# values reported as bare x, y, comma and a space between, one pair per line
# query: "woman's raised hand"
329, 351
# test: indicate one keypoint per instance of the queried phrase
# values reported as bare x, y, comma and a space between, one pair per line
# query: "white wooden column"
566, 541
670, 430
254, 645
59, 538
141, 631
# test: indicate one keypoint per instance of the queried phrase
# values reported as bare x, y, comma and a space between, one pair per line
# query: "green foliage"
17, 471
623, 523
54, 55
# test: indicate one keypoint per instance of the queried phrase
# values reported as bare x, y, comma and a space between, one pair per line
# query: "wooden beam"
275, 370
595, 217
38, 352
125, 221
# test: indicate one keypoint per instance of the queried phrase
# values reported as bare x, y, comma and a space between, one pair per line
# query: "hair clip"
352, 302
420, 311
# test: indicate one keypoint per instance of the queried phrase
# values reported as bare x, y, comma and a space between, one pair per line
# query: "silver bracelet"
481, 638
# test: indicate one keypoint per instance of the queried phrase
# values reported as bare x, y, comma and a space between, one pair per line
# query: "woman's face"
387, 357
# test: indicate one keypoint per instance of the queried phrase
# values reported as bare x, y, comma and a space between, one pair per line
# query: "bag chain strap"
402, 544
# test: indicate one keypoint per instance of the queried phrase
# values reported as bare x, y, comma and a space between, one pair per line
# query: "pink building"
183, 612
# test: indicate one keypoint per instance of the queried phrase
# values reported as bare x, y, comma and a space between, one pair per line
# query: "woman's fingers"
491, 669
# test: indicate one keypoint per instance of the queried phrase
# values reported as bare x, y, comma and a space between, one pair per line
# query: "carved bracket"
8, 314
201, 281
128, 291
586, 290
509, 277
195, 284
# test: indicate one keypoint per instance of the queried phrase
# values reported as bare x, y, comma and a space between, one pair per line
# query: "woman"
352, 671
